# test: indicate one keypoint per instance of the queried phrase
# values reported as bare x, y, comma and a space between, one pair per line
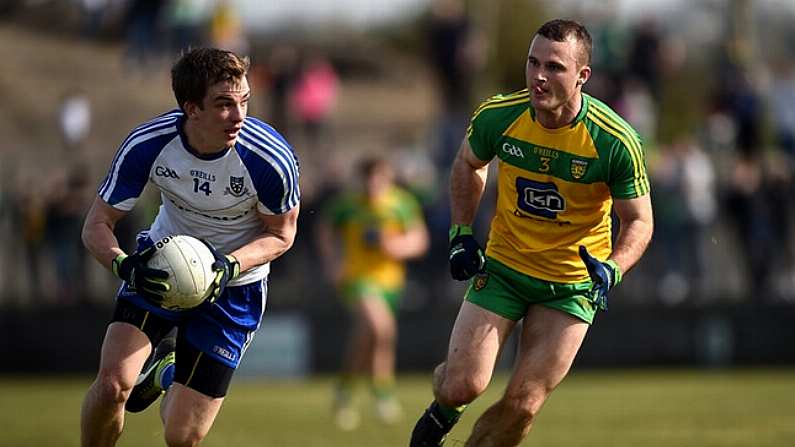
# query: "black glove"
466, 255
148, 282
604, 275
226, 269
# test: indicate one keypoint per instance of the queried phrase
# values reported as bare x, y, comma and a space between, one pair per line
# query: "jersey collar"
184, 139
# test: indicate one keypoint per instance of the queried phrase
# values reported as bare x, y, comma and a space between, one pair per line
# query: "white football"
189, 265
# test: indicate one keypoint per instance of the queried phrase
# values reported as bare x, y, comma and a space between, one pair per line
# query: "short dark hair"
370, 164
561, 29
199, 68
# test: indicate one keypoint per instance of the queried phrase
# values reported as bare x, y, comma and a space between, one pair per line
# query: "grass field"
748, 408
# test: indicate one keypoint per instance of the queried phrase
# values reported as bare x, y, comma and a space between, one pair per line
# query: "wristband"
459, 230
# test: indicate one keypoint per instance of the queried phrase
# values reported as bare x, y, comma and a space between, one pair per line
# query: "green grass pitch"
742, 408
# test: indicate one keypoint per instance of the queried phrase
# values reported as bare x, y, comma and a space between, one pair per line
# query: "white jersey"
215, 198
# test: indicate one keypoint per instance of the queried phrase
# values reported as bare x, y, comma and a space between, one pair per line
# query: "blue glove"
226, 268
148, 282
466, 255
604, 275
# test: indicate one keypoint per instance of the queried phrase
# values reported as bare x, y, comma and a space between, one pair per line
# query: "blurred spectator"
747, 198
67, 203
780, 172
686, 207
457, 52
645, 56
313, 98
186, 21
30, 218
281, 71
93, 12
610, 53
226, 30
636, 104
782, 102
141, 27
750, 212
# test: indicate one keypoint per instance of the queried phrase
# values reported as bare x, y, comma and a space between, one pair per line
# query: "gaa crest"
236, 186
480, 281
578, 168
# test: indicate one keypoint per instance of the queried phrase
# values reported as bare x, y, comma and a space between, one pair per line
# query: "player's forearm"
408, 245
633, 238
262, 250
99, 240
97, 234
466, 189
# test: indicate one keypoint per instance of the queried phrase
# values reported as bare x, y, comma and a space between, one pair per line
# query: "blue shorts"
223, 329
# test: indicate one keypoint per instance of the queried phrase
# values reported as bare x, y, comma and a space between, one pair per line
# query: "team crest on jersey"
236, 186
578, 168
480, 281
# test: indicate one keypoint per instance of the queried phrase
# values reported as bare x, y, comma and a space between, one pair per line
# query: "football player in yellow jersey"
366, 237
566, 160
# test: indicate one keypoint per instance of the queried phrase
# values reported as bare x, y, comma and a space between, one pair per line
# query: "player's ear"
191, 109
584, 75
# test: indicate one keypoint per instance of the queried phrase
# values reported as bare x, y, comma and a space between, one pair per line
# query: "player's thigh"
124, 351
477, 338
129, 340
374, 313
188, 414
549, 343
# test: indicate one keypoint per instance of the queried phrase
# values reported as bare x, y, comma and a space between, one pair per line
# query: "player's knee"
111, 388
523, 408
385, 335
182, 436
461, 390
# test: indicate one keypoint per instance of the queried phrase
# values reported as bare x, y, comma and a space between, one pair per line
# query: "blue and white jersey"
215, 198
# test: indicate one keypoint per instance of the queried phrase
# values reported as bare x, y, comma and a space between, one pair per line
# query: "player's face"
553, 72
379, 181
220, 119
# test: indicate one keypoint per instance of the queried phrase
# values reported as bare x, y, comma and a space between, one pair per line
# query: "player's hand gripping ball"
189, 264
226, 268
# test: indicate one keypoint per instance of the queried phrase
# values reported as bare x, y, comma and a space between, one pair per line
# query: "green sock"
450, 414
343, 390
383, 388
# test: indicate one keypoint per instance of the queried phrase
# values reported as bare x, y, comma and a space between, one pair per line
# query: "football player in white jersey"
226, 178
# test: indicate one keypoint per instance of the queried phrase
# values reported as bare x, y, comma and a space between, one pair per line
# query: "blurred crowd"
720, 152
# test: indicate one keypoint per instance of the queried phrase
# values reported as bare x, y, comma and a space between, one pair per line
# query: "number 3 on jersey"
199, 185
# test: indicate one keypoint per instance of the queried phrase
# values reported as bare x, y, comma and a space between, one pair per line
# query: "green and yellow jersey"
555, 186
358, 221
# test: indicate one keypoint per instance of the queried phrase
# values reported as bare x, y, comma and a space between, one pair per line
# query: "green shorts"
354, 291
508, 293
